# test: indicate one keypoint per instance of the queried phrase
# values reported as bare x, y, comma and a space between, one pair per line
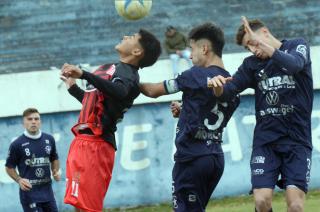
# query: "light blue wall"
142, 173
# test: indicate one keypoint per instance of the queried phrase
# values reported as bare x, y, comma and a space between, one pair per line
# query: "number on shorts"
27, 150
75, 189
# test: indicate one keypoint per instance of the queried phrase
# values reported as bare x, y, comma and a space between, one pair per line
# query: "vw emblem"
272, 98
39, 172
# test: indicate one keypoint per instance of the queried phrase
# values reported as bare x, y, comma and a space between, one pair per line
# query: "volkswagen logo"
272, 98
39, 172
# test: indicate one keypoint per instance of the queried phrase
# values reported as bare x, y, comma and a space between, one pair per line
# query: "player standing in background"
32, 153
110, 92
280, 72
199, 159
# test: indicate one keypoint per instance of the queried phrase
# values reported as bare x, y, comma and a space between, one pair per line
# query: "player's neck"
275, 42
215, 61
130, 59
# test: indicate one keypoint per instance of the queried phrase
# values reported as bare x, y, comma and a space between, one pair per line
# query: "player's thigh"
194, 182
296, 167
31, 207
49, 206
265, 167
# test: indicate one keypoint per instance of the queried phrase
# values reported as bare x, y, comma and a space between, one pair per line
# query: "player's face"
129, 44
32, 123
196, 53
252, 48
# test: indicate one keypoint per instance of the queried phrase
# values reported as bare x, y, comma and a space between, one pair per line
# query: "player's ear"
137, 52
205, 49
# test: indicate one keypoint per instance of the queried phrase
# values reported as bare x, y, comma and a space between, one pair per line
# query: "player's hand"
69, 70
69, 81
56, 174
24, 184
216, 83
261, 47
175, 109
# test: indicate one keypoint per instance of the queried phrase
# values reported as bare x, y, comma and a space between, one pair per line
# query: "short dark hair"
29, 111
254, 25
211, 32
151, 46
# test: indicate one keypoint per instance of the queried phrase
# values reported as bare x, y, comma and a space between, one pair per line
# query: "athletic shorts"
291, 161
194, 182
89, 170
40, 206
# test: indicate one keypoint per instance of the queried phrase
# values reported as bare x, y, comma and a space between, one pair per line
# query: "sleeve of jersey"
54, 154
13, 158
117, 88
294, 60
76, 92
190, 80
241, 80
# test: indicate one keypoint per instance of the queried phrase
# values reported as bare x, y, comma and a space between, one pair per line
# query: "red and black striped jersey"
110, 92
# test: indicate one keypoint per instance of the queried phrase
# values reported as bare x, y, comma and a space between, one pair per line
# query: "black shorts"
194, 182
40, 206
293, 162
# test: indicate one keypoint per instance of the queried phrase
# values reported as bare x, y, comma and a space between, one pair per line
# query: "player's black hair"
151, 46
254, 25
29, 111
211, 32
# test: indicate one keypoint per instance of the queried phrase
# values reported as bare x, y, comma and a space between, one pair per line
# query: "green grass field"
235, 204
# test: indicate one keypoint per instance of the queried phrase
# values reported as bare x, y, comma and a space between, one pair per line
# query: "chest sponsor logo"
272, 98
277, 82
34, 162
39, 172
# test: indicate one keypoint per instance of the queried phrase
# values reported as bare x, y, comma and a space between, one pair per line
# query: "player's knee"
295, 206
262, 203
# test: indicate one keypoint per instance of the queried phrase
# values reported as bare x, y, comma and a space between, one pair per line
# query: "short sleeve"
13, 156
54, 153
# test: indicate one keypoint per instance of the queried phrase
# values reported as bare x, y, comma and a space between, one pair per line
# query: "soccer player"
33, 153
280, 73
110, 92
199, 159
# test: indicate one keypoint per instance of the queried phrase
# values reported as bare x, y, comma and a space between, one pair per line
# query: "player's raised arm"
153, 90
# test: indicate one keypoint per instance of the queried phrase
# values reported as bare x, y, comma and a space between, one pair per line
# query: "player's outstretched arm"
153, 90
217, 83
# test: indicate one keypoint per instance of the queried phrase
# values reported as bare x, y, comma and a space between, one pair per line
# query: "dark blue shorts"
194, 182
291, 161
40, 207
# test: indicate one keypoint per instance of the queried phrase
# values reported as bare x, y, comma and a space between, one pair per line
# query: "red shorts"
89, 170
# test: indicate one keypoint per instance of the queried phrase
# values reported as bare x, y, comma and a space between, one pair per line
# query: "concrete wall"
142, 172
38, 34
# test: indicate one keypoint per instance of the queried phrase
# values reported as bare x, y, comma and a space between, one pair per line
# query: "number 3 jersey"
203, 117
33, 158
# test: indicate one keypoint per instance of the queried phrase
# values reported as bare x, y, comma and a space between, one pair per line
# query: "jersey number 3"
215, 110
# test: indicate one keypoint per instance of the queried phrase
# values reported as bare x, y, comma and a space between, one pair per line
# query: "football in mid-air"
133, 9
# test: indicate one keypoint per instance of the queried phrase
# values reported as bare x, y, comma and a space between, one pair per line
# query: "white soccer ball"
133, 9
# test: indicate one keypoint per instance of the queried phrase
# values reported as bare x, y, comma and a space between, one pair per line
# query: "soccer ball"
133, 9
